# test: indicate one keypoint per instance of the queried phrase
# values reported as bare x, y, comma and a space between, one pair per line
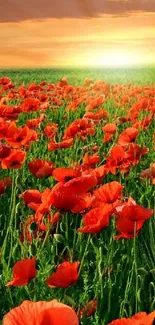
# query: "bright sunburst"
113, 59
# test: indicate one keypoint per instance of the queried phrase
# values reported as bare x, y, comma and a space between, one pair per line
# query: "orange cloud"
19, 10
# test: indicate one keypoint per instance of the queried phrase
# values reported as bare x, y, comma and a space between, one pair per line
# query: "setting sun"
113, 58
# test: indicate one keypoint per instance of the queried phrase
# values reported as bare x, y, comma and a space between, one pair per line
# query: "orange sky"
47, 33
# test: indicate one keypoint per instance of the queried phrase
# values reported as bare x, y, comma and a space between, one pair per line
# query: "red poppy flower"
95, 102
130, 219
32, 198
50, 129
41, 168
81, 127
96, 219
33, 87
35, 123
127, 136
15, 159
4, 81
127, 228
124, 158
68, 196
65, 174
138, 319
30, 105
17, 137
76, 102
45, 205
80, 185
5, 150
89, 199
41, 313
66, 274
53, 145
44, 106
91, 160
135, 152
99, 172
89, 309
109, 128
3, 128
109, 192
23, 272
117, 152
64, 199
143, 124
116, 160
44, 208
9, 112
43, 98
99, 115
4, 183
107, 137
134, 212
87, 82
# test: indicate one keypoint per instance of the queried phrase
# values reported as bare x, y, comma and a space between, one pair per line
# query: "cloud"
19, 10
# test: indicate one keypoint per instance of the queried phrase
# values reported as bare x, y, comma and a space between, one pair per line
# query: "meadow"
77, 190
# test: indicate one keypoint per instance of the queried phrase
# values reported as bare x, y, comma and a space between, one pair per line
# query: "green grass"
130, 287
139, 76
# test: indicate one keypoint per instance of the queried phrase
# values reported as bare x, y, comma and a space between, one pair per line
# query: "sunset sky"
54, 33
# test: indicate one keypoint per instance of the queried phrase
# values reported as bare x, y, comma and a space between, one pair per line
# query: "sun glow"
113, 59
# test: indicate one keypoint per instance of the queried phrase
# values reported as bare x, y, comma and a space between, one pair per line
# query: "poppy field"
77, 197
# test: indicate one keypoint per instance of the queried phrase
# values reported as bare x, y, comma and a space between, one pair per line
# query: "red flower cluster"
76, 184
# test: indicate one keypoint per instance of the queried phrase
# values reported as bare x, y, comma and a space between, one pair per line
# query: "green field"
119, 274
139, 76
